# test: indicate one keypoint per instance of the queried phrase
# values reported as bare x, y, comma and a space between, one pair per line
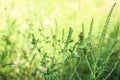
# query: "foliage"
41, 53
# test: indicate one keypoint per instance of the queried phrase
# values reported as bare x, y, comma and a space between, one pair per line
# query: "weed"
49, 56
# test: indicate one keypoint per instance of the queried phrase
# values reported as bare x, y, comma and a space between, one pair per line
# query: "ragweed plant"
80, 60
48, 55
94, 57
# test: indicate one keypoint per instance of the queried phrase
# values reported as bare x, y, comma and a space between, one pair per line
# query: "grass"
47, 53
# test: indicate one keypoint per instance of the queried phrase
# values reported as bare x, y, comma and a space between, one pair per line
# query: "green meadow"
59, 40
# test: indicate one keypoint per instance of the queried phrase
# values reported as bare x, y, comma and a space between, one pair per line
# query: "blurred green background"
18, 19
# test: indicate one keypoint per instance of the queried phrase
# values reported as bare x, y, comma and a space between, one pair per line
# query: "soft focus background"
19, 19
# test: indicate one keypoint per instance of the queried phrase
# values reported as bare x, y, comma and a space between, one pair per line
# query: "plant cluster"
52, 58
